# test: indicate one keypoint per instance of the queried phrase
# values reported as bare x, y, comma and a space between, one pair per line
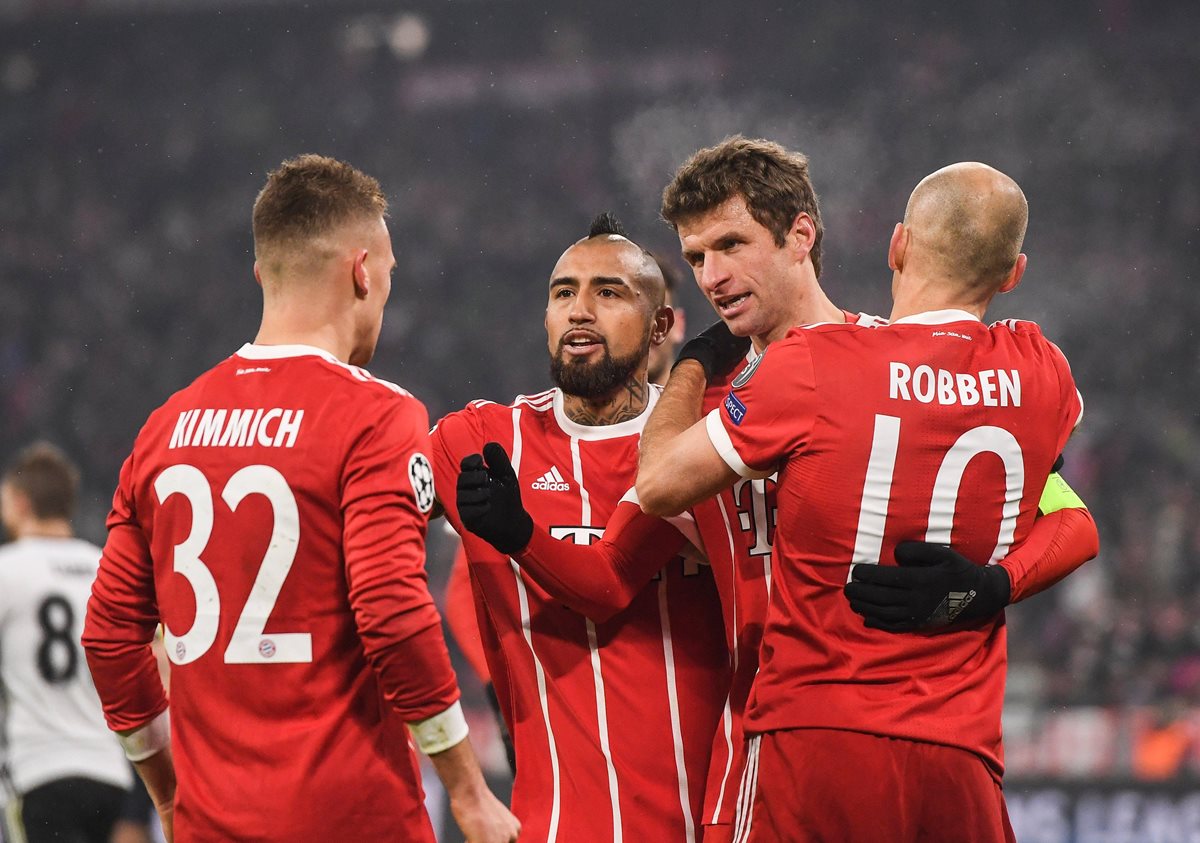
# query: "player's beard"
592, 381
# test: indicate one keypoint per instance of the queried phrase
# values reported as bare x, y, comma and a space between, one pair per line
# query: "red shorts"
718, 833
835, 786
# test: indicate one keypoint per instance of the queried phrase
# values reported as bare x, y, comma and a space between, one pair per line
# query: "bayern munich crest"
420, 475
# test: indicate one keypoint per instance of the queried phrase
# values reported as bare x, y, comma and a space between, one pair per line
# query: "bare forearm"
158, 774
458, 768
678, 408
480, 816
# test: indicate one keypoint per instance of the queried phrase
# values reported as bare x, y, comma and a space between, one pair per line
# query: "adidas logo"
551, 481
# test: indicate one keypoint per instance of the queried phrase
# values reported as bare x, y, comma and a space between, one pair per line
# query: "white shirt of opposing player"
54, 726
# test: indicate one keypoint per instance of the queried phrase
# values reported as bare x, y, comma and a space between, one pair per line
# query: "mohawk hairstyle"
606, 222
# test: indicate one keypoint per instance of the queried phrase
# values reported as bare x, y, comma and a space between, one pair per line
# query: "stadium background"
134, 136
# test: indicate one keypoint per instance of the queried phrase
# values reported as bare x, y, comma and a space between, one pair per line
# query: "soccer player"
272, 514
460, 603
612, 720
67, 769
760, 191
934, 427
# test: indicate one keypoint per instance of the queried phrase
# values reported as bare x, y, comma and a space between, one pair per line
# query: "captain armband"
149, 739
1058, 495
440, 732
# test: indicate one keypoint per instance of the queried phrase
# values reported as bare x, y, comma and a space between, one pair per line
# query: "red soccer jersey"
874, 432
612, 721
460, 614
273, 515
737, 529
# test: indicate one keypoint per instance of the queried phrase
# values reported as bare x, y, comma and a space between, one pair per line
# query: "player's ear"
664, 321
802, 235
257, 274
1014, 275
362, 282
898, 247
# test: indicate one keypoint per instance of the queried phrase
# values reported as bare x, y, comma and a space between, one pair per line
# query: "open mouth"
729, 304
579, 343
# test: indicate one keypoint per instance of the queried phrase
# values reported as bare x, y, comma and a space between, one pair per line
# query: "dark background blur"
135, 135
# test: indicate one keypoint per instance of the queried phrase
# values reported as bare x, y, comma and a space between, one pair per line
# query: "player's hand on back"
489, 500
932, 586
716, 349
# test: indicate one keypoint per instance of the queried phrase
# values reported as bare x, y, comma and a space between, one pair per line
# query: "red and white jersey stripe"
612, 722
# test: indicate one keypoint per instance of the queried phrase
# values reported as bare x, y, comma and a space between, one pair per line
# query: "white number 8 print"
881, 467
247, 645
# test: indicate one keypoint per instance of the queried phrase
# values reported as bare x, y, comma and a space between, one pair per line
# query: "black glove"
489, 500
934, 586
716, 349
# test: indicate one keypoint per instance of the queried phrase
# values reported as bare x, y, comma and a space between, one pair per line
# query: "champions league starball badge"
420, 475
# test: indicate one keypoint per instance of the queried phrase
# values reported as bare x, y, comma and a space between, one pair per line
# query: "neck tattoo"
626, 403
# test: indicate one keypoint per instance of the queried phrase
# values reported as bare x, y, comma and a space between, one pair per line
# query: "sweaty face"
746, 277
598, 319
379, 265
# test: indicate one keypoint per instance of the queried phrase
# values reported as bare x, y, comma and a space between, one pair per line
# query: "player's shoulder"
1017, 327
852, 323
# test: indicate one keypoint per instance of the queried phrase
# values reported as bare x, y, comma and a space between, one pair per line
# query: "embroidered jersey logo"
735, 409
420, 475
551, 481
744, 376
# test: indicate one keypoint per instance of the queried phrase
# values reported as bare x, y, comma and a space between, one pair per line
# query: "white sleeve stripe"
148, 739
719, 436
440, 732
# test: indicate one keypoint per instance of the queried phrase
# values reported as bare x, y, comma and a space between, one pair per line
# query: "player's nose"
714, 272
581, 309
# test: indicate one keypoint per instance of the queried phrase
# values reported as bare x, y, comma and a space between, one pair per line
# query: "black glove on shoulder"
716, 349
489, 500
933, 586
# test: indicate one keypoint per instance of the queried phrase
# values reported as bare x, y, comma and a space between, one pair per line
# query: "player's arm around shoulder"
764, 417
678, 465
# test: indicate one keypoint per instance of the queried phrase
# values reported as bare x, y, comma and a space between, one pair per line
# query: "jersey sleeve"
1072, 400
122, 616
460, 615
1059, 542
600, 579
454, 437
387, 492
768, 413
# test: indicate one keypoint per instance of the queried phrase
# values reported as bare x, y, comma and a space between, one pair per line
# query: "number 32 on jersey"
248, 644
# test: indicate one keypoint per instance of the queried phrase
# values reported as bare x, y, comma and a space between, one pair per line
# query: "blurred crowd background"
134, 136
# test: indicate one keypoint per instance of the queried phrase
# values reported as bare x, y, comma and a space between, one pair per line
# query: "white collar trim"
938, 317
589, 432
277, 352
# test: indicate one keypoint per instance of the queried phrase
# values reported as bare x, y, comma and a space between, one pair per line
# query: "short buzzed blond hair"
309, 196
973, 218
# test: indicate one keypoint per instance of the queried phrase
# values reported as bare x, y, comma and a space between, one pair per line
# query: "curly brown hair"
773, 181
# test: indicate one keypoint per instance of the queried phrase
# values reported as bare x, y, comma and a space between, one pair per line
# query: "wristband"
440, 732
148, 739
